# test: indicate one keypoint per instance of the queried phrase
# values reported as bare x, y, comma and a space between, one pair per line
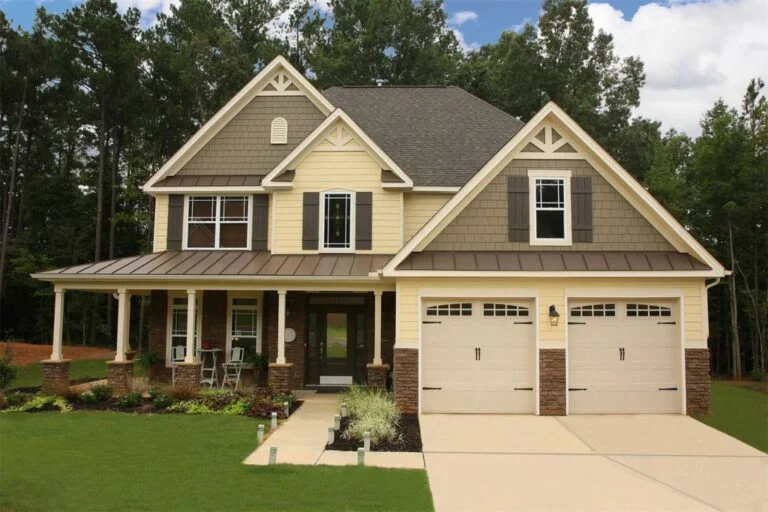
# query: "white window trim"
533, 175
169, 322
249, 228
352, 220
259, 296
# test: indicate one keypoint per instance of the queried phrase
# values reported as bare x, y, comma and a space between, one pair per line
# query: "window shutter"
581, 208
311, 220
517, 204
259, 222
175, 221
364, 220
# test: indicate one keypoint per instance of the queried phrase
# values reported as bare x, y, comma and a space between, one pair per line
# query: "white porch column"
280, 327
377, 327
191, 320
58, 325
123, 323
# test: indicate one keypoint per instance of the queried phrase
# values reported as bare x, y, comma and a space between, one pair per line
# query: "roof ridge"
481, 100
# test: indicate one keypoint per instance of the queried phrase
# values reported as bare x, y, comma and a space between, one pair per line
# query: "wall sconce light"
554, 316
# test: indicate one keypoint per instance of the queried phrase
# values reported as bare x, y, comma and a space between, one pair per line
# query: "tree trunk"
9, 201
100, 181
735, 342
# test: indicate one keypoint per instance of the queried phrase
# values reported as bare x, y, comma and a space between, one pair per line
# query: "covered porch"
314, 330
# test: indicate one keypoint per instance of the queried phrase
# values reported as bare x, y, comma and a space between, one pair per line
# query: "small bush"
237, 408
7, 370
371, 410
42, 403
217, 400
183, 393
163, 401
129, 401
756, 375
154, 392
17, 398
101, 393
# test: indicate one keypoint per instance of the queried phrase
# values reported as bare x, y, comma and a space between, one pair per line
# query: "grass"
739, 412
31, 375
112, 461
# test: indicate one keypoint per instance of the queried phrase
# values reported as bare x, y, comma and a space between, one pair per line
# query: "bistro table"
209, 374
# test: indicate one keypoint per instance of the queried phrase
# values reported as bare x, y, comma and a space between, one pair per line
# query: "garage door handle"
667, 323
431, 322
523, 323
667, 389
577, 323
432, 389
523, 389
577, 389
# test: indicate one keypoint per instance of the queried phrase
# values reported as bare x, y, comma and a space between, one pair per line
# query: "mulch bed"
410, 442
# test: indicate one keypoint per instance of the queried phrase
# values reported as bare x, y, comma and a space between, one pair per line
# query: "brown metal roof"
231, 263
550, 261
207, 180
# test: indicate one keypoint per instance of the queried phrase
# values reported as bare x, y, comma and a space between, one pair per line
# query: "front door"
338, 331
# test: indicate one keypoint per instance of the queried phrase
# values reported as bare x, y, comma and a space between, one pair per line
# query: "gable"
244, 146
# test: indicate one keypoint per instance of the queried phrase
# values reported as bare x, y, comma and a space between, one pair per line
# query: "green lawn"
739, 412
32, 374
115, 461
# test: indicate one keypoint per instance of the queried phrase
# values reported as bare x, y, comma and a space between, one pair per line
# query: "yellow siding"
418, 209
327, 170
160, 242
553, 291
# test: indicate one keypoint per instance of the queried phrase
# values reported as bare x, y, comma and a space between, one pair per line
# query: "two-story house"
417, 234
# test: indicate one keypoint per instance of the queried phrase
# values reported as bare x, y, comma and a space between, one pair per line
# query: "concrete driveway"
623, 462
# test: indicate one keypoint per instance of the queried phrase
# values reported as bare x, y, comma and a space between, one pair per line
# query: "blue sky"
695, 51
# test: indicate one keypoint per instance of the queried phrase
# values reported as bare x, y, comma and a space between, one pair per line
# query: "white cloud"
461, 17
694, 53
463, 44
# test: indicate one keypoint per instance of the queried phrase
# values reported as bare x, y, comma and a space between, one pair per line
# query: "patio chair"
233, 368
178, 353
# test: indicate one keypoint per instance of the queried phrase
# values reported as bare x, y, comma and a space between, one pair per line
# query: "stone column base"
280, 376
188, 375
405, 379
120, 376
55, 377
552, 382
377, 375
697, 380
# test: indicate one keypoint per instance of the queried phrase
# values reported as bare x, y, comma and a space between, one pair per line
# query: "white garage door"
623, 357
478, 356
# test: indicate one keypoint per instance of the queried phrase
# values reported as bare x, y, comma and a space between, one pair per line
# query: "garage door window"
636, 310
592, 310
504, 310
457, 309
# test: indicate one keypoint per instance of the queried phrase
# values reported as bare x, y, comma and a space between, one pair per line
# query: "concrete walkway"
301, 439
623, 462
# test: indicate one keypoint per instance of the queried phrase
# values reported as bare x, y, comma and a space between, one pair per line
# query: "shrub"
101, 393
237, 408
163, 401
371, 410
183, 393
17, 398
42, 403
146, 361
7, 370
129, 401
216, 399
756, 375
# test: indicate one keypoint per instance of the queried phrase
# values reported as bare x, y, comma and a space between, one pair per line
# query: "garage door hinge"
523, 389
667, 323
577, 389
431, 389
431, 322
667, 389
577, 323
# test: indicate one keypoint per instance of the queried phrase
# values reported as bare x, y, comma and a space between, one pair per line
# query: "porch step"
330, 389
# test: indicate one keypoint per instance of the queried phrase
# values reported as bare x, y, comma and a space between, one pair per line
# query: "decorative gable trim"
617, 176
547, 144
279, 67
337, 133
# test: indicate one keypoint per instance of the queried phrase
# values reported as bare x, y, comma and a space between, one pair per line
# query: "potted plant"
258, 363
149, 365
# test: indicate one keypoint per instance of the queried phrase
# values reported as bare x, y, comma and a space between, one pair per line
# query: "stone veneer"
405, 379
120, 376
377, 375
281, 376
55, 377
552, 382
188, 375
697, 380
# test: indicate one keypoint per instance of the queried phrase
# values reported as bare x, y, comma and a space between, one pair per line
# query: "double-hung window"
217, 222
178, 323
337, 221
550, 208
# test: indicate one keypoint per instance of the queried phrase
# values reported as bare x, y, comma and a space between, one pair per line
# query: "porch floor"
302, 439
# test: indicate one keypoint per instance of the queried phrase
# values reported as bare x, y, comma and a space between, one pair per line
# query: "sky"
695, 51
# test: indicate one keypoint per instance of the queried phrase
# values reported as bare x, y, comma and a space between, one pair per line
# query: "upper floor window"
217, 222
337, 220
279, 131
550, 215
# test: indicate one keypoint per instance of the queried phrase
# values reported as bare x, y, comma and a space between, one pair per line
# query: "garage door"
623, 357
478, 356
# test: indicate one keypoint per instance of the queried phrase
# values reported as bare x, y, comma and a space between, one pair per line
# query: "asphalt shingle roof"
440, 136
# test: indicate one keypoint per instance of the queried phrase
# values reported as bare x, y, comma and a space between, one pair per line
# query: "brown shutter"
517, 204
363, 220
259, 223
175, 221
311, 220
581, 208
